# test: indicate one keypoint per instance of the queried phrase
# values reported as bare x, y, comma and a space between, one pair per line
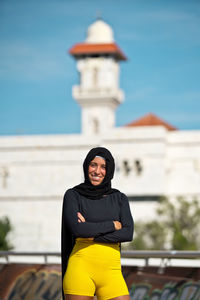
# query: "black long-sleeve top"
99, 215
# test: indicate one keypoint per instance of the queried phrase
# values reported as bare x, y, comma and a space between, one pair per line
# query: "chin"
95, 182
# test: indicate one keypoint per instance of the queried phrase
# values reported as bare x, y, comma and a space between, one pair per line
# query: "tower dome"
99, 32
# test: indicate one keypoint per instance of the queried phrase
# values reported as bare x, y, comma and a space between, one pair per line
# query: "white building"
152, 158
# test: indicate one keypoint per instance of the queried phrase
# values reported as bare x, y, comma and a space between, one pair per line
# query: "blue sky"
162, 75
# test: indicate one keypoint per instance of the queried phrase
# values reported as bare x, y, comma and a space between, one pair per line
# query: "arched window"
95, 126
95, 77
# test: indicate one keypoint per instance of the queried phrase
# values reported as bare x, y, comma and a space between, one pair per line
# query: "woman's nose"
98, 169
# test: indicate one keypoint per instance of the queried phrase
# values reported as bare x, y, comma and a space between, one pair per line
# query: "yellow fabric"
94, 268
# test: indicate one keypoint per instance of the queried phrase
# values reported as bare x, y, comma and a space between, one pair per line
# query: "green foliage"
5, 228
177, 226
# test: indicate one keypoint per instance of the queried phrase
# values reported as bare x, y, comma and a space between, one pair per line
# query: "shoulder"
70, 193
122, 198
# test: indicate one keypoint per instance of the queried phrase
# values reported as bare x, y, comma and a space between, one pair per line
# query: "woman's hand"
80, 217
118, 225
80, 220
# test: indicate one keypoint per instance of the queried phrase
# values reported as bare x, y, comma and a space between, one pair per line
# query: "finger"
81, 217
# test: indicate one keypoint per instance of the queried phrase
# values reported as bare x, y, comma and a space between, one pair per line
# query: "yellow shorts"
94, 268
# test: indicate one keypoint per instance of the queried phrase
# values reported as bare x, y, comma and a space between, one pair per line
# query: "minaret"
98, 91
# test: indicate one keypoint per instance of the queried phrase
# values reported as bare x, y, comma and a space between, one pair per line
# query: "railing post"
45, 259
146, 261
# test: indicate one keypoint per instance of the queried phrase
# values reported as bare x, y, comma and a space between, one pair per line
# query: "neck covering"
86, 188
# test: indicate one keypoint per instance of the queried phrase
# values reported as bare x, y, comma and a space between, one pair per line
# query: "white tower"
98, 91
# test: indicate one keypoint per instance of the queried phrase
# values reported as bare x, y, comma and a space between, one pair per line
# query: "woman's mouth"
96, 178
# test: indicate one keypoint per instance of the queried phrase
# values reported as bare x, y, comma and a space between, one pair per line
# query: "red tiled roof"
151, 120
86, 48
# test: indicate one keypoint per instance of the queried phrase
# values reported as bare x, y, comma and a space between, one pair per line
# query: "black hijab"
86, 188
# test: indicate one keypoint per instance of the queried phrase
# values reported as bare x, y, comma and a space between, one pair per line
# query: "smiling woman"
97, 170
96, 219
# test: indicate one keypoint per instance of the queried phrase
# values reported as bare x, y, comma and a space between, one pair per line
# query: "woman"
95, 220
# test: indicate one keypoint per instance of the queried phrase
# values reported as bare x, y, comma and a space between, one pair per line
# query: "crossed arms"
107, 231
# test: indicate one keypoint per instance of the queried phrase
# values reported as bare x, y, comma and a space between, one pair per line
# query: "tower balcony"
98, 95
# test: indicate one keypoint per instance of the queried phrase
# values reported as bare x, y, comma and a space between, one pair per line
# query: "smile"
96, 177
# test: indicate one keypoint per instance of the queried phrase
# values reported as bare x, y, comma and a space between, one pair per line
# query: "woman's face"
97, 170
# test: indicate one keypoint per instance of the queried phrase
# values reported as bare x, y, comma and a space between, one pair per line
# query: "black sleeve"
126, 233
83, 229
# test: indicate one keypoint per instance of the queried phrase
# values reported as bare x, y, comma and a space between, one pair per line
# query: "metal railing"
160, 254
45, 255
164, 256
142, 254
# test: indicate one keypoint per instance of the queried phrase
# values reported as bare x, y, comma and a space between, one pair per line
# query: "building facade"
152, 157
